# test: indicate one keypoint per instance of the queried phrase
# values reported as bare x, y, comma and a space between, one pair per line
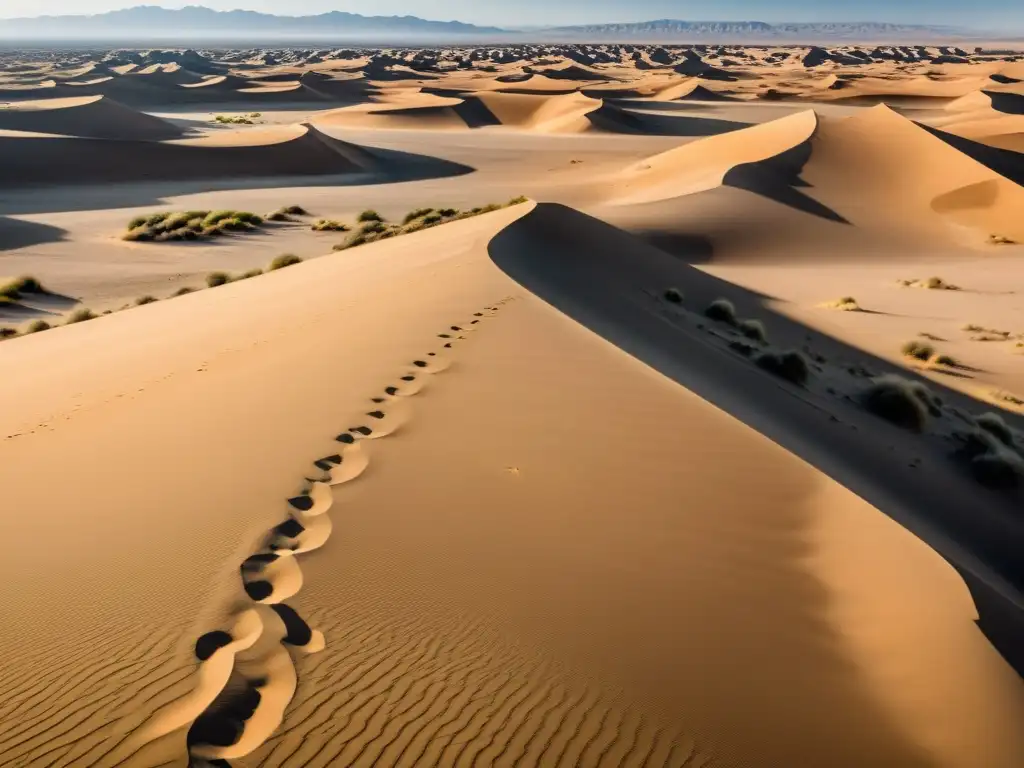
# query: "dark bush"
791, 366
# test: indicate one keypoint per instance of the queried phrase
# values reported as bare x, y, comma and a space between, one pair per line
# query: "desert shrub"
156, 218
449, 212
215, 279
6, 333
370, 215
37, 325
234, 225
937, 284
993, 424
918, 350
372, 227
80, 316
844, 304
518, 200
946, 360
432, 218
722, 311
357, 238
145, 300
183, 290
285, 260
791, 365
138, 221
330, 225
754, 330
898, 401
673, 296
1000, 470
14, 289
295, 210
250, 273
419, 213
278, 216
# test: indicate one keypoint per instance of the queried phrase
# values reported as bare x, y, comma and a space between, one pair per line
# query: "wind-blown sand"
481, 494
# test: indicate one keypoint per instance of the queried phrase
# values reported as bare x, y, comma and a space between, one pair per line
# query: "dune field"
527, 406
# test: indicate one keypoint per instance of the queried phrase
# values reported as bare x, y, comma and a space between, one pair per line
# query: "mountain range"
150, 22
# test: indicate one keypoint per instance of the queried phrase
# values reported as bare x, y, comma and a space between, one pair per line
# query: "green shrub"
330, 225
215, 279
722, 311
285, 260
754, 330
14, 289
372, 227
898, 401
918, 350
295, 210
80, 316
358, 238
137, 222
673, 296
791, 366
370, 215
37, 325
419, 213
993, 424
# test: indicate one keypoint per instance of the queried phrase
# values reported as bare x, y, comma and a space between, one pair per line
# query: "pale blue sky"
990, 14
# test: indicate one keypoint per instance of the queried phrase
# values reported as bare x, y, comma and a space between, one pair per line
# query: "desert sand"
493, 488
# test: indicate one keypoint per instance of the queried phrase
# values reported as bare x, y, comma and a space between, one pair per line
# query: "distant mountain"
151, 22
675, 30
147, 21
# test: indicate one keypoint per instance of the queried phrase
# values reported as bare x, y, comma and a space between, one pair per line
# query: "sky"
982, 14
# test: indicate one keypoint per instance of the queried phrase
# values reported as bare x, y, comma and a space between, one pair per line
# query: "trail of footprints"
247, 676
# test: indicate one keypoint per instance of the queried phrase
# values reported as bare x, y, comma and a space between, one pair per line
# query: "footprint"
354, 462
271, 577
386, 420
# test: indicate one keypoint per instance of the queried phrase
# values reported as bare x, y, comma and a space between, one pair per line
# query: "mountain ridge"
200, 21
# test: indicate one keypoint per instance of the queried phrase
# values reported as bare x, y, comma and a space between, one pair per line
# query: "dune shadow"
573, 262
1003, 161
617, 120
15, 233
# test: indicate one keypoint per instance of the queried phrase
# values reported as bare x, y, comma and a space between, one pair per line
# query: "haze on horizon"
994, 14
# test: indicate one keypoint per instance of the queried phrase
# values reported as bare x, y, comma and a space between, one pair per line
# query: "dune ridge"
95, 117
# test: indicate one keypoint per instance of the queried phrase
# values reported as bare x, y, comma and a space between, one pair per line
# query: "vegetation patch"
284, 260
900, 401
216, 279
80, 316
918, 350
791, 365
673, 296
930, 283
753, 330
843, 304
189, 225
722, 311
330, 225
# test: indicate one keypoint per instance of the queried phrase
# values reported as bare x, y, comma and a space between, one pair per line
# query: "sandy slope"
582, 593
94, 117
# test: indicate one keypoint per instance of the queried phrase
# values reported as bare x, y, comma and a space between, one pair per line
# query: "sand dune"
89, 116
689, 90
293, 150
444, 623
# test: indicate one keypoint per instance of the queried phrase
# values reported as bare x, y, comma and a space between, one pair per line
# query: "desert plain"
533, 405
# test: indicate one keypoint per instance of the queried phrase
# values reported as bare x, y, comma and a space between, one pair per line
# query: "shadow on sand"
978, 531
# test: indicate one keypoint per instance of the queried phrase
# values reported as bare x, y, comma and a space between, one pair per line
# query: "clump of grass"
330, 225
237, 120
844, 304
754, 330
993, 424
37, 325
285, 260
929, 283
722, 311
791, 365
372, 227
918, 350
900, 401
673, 296
16, 288
7, 333
279, 216
1003, 396
80, 316
992, 462
188, 225
370, 215
432, 218
216, 279
946, 360
142, 300
418, 213
183, 291
449, 213
250, 273
519, 200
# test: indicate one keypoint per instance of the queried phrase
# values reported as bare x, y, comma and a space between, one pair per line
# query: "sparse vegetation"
918, 350
754, 330
994, 424
6, 333
370, 215
189, 225
183, 291
929, 283
791, 365
215, 279
844, 304
234, 120
1003, 396
330, 225
673, 296
80, 316
722, 311
145, 300
418, 213
250, 273
946, 360
992, 462
36, 326
285, 260
19, 286
900, 401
